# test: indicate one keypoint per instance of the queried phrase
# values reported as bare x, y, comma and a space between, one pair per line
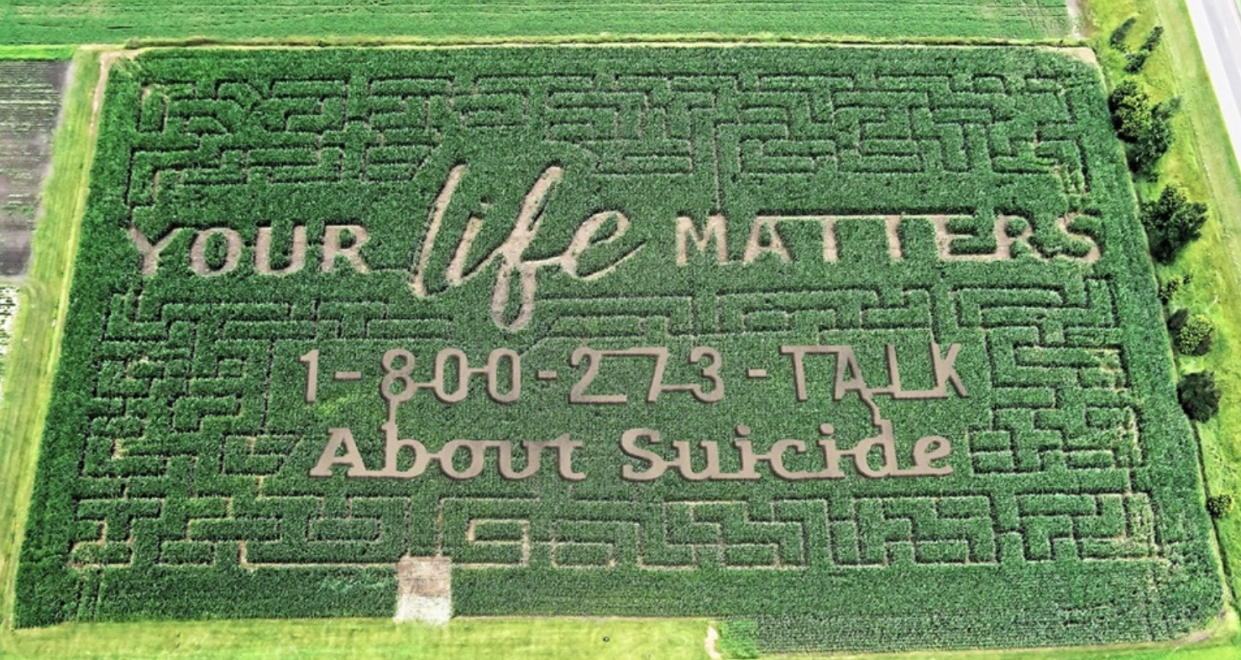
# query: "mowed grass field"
350, 639
78, 21
482, 639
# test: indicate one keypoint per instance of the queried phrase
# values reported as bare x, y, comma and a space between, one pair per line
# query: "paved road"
1218, 24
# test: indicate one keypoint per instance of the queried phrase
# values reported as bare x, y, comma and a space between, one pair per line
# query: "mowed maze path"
60, 21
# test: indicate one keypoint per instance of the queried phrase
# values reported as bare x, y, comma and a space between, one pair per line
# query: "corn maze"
854, 342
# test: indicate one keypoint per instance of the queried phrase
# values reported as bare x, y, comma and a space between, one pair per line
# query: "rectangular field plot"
859, 342
29, 102
78, 21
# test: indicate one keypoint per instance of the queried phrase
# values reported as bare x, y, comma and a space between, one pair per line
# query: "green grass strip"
637, 38
51, 21
41, 313
57, 53
1220, 642
341, 639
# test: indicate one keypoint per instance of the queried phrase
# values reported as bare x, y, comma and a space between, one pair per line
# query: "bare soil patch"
30, 94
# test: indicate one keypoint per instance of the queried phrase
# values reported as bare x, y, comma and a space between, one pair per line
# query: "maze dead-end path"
29, 106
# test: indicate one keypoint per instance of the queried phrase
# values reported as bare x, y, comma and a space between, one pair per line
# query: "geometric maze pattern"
1072, 483
198, 377
662, 126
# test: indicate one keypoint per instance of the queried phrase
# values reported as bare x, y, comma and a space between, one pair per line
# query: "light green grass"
36, 52
1202, 161
341, 639
1224, 640
481, 639
41, 312
77, 21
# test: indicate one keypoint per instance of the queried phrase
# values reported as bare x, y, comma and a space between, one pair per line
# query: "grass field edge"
1223, 633
1209, 170
1222, 173
212, 639
558, 638
603, 38
35, 352
51, 52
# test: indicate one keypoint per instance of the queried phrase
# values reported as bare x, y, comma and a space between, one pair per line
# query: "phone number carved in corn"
398, 386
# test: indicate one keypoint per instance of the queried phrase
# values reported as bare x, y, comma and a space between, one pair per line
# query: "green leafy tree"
1199, 395
1154, 138
1170, 286
1177, 321
1137, 59
1219, 505
1171, 222
1146, 127
1194, 337
1117, 40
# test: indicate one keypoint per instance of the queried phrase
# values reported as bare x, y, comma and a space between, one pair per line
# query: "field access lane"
1218, 25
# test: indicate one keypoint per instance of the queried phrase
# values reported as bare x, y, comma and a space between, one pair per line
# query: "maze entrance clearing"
852, 341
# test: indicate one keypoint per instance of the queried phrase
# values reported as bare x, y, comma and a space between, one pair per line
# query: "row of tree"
1171, 221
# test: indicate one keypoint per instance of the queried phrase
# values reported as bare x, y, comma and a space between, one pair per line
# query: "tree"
1219, 505
1169, 287
1127, 101
1171, 222
1134, 62
1177, 321
1145, 126
1199, 395
1137, 59
1195, 335
1154, 138
1119, 35
1153, 39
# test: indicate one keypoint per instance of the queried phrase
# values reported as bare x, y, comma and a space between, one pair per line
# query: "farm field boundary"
31, 99
366, 639
1201, 160
1041, 180
477, 639
594, 40
117, 632
44, 302
36, 52
76, 21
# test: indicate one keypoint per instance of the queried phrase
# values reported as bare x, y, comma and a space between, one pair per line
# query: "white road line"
1218, 26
